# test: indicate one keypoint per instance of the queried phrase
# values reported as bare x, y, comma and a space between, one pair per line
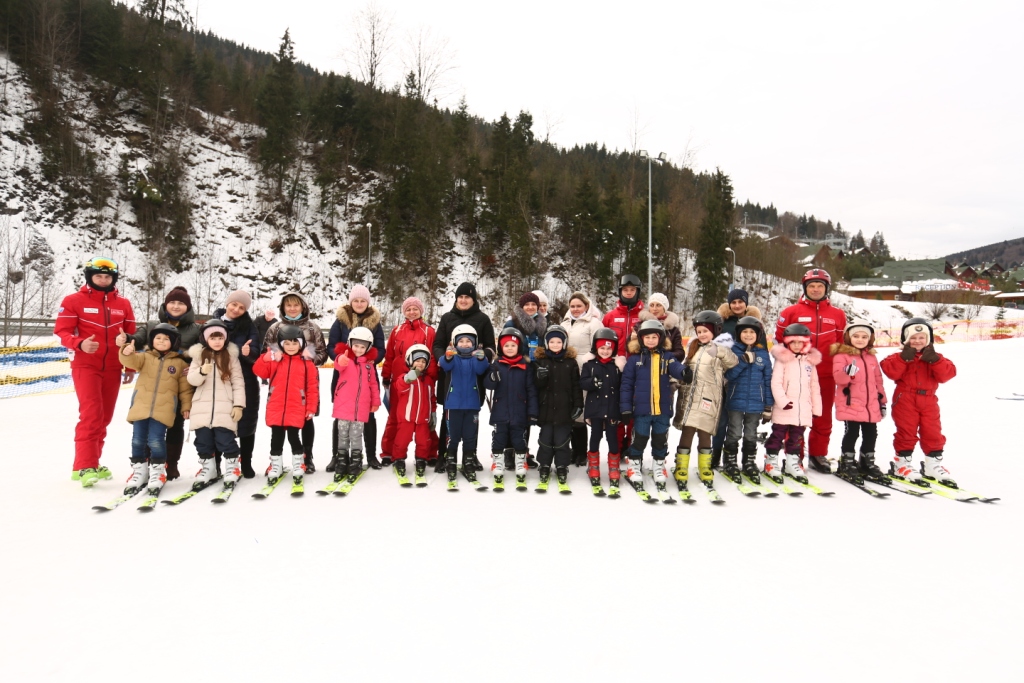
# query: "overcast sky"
904, 117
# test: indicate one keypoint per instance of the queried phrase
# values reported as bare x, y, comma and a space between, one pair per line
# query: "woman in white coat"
581, 322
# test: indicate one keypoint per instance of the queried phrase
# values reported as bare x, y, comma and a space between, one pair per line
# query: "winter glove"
766, 416
577, 414
724, 339
236, 413
411, 376
533, 419
789, 406
884, 408
626, 414
206, 369
908, 352
432, 421
687, 374
385, 383
127, 376
598, 383
479, 354
749, 357
851, 369
928, 354
495, 376
542, 373
449, 353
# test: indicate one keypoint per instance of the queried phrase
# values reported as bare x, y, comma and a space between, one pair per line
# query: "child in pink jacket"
797, 401
860, 401
356, 395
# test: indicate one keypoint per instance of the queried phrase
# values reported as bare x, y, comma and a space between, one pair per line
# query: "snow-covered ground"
422, 584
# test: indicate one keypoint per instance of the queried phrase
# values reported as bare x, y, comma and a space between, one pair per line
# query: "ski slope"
420, 584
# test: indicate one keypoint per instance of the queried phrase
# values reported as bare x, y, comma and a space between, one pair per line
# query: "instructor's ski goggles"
102, 264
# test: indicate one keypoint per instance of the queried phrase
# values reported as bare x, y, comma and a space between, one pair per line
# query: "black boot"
385, 461
729, 468
308, 461
247, 470
545, 474
451, 466
848, 468
372, 461
750, 470
531, 463
173, 456
470, 463
421, 467
716, 458
510, 460
562, 475
820, 463
333, 464
340, 461
399, 467
869, 470
355, 462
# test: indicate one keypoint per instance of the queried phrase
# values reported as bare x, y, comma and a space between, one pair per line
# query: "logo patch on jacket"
90, 310
171, 369
805, 319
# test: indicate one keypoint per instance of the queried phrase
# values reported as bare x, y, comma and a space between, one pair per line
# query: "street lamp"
732, 270
369, 246
662, 158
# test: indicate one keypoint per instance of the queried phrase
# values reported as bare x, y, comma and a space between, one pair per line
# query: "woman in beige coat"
217, 403
581, 321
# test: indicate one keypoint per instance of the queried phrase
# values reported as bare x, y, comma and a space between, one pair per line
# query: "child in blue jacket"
646, 397
465, 363
748, 397
600, 378
513, 404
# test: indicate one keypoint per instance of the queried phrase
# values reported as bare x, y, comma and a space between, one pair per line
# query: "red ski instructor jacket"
100, 315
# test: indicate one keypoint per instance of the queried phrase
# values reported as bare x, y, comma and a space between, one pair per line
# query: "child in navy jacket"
513, 404
600, 378
464, 363
748, 397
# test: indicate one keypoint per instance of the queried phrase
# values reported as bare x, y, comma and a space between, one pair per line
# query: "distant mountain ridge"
1006, 252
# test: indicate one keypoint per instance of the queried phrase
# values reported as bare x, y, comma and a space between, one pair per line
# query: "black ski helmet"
796, 330
515, 334
915, 325
630, 280
749, 322
104, 265
170, 330
291, 333
709, 319
605, 333
648, 327
556, 331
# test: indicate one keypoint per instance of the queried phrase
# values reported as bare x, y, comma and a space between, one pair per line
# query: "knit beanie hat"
582, 297
179, 294
529, 298
658, 298
466, 289
412, 301
541, 297
359, 292
238, 296
738, 294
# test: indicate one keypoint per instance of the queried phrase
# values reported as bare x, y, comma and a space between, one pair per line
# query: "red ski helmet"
817, 275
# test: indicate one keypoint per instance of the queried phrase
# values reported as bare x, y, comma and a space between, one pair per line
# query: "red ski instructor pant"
821, 426
97, 396
916, 414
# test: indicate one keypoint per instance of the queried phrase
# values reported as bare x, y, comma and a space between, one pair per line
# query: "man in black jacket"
466, 311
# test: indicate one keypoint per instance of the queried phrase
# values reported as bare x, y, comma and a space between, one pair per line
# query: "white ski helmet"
464, 330
361, 334
415, 352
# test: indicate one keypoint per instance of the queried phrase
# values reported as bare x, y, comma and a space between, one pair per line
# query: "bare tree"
372, 42
428, 60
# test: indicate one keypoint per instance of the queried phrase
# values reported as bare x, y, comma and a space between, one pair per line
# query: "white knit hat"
541, 296
658, 298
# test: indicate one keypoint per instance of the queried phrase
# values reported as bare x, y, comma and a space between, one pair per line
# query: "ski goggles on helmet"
102, 264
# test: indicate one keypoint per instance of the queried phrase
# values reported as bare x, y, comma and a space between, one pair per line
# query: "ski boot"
470, 463
452, 468
232, 471
386, 461
934, 470
157, 477
498, 470
614, 475
90, 475
562, 476
140, 474
660, 480
545, 476
594, 472
332, 466
635, 473
399, 467
820, 463
298, 468
207, 473
750, 466
421, 472
902, 467
682, 470
795, 469
521, 471
772, 469
869, 470
729, 468
355, 462
275, 469
340, 461
704, 456
849, 470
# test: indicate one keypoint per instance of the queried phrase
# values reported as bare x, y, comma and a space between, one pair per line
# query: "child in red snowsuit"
414, 407
918, 370
293, 397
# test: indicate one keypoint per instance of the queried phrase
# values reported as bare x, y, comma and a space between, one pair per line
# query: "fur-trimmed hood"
305, 308
782, 354
727, 313
527, 324
836, 349
541, 352
196, 350
634, 345
670, 322
349, 318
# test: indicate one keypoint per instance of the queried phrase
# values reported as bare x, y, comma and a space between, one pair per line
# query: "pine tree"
278, 110
712, 283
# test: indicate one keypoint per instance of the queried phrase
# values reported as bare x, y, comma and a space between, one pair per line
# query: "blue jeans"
653, 428
150, 433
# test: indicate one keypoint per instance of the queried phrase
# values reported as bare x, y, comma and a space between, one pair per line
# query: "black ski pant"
854, 430
553, 444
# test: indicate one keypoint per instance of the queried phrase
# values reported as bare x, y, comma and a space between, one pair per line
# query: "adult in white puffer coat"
581, 321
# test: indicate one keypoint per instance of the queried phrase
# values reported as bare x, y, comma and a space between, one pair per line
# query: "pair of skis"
342, 487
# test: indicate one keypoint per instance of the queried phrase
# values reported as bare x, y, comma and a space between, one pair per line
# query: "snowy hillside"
393, 584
